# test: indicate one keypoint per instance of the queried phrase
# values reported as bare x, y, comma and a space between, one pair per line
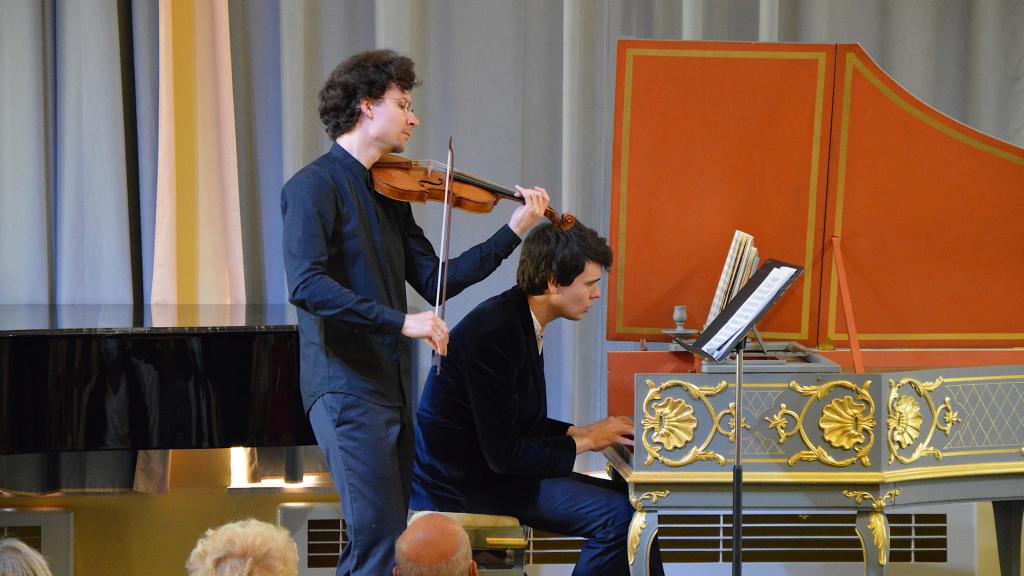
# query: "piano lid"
795, 143
65, 319
123, 377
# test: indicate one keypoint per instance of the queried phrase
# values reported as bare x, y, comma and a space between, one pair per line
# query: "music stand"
728, 332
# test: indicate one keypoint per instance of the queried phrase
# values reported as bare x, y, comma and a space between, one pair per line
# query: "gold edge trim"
781, 335
627, 111
955, 471
812, 204
852, 61
933, 472
732, 54
928, 120
983, 378
506, 542
981, 452
627, 97
833, 286
660, 331
837, 227
753, 477
938, 336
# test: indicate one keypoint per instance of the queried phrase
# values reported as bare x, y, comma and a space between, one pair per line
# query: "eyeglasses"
404, 104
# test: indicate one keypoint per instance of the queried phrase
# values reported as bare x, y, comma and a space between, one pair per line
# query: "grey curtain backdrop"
77, 159
524, 87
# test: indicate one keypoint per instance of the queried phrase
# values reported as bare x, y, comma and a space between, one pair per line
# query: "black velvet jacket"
483, 419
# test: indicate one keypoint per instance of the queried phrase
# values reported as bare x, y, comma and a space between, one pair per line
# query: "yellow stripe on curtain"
198, 238
198, 244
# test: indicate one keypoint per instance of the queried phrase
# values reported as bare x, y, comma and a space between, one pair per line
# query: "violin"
407, 180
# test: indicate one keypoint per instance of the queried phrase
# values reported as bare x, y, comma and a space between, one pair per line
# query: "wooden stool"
498, 542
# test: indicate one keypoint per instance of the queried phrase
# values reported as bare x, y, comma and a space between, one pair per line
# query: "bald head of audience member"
434, 545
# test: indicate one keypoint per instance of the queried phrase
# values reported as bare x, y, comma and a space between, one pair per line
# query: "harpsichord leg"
873, 530
642, 531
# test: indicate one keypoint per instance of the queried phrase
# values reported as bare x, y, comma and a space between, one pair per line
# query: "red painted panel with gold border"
710, 138
930, 216
795, 144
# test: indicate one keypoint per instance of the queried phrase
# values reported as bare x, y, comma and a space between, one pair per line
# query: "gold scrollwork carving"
638, 503
636, 526
876, 522
670, 423
845, 423
675, 423
904, 421
639, 521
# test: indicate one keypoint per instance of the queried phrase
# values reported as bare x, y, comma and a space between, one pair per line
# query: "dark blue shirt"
348, 252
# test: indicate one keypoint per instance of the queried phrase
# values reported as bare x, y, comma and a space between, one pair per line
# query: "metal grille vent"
699, 538
324, 542
48, 530
31, 535
703, 538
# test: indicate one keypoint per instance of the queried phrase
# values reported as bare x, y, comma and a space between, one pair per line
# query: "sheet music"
757, 302
740, 241
745, 271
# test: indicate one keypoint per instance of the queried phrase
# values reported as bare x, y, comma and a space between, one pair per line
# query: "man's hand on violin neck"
427, 327
535, 202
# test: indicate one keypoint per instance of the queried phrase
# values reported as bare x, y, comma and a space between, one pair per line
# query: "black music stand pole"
737, 468
728, 332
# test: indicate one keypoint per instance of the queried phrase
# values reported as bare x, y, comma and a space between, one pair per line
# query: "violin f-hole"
424, 182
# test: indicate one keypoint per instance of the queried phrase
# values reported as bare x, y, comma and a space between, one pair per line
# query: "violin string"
435, 166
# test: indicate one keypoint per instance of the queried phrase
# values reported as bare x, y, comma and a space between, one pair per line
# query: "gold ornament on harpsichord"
670, 424
639, 521
845, 423
877, 524
904, 421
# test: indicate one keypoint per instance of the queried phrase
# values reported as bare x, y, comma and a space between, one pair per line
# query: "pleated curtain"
144, 143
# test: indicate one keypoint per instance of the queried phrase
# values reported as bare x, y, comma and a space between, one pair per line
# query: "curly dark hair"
364, 75
549, 252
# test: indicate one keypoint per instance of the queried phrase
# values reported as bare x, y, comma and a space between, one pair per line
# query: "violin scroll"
565, 222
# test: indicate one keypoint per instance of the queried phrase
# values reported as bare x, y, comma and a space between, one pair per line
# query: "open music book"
747, 307
740, 263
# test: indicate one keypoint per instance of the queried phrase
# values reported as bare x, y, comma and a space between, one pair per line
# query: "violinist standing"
348, 253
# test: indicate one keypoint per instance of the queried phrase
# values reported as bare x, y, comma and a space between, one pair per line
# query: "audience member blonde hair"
20, 559
434, 545
245, 548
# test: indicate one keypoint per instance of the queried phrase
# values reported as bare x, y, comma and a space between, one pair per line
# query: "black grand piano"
113, 377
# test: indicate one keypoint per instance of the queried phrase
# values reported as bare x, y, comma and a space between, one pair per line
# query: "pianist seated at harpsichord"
484, 442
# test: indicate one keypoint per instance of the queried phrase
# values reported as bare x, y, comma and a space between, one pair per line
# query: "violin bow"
441, 298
